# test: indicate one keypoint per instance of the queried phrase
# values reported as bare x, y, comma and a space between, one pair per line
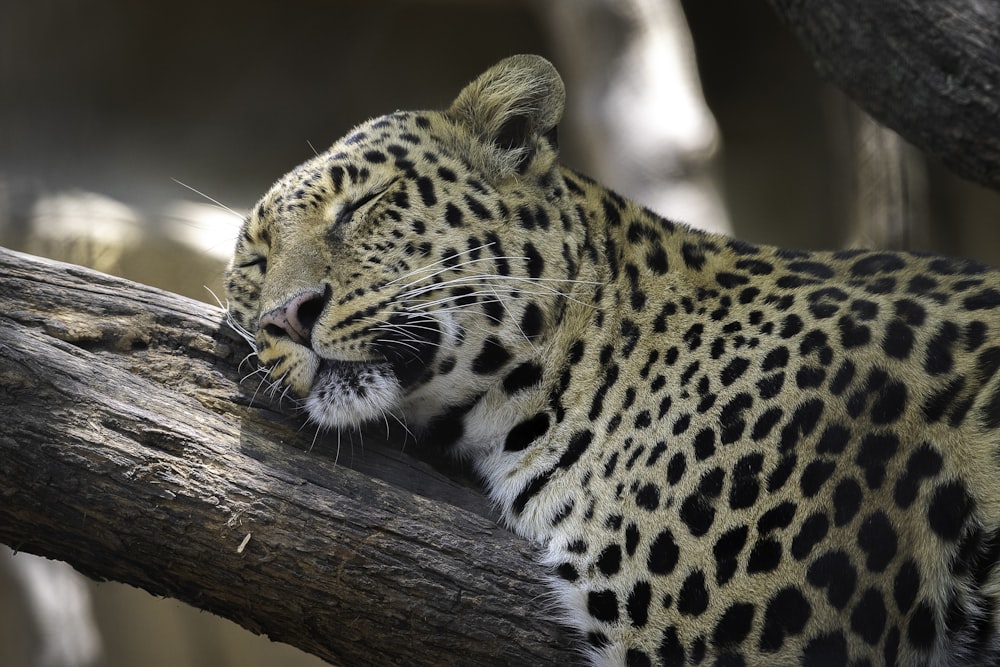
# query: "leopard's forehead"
369, 155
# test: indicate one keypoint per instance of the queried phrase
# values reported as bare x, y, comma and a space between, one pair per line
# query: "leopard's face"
393, 275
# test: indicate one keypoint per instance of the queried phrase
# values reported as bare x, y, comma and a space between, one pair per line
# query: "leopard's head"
401, 271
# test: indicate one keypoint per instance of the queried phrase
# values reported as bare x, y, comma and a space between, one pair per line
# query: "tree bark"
129, 449
929, 70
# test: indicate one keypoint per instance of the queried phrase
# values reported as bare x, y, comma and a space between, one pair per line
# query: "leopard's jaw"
345, 395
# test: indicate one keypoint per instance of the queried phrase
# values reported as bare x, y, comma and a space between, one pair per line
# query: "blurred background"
115, 115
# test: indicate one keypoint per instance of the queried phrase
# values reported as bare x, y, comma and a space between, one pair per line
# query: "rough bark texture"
929, 70
129, 450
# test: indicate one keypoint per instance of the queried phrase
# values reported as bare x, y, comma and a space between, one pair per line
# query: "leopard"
728, 453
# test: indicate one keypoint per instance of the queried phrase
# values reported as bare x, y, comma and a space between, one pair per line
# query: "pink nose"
296, 318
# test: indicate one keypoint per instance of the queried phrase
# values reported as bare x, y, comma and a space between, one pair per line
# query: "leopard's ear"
513, 108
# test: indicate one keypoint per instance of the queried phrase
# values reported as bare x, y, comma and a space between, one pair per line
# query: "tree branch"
929, 70
129, 450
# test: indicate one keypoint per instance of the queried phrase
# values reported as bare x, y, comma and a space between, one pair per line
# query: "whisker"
313, 443
407, 338
486, 280
389, 341
249, 356
401, 420
211, 199
237, 327
513, 319
215, 296
336, 458
260, 371
462, 266
385, 418
425, 267
458, 297
408, 328
361, 442
414, 286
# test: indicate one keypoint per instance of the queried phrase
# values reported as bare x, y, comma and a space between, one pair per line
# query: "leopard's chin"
346, 394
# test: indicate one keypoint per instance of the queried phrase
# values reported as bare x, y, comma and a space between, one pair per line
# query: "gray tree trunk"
928, 70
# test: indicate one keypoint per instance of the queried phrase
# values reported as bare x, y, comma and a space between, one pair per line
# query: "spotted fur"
733, 454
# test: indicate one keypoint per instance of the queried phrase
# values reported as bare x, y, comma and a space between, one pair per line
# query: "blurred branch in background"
636, 105
891, 199
59, 621
928, 70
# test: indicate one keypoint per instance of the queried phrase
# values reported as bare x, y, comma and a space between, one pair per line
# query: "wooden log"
129, 449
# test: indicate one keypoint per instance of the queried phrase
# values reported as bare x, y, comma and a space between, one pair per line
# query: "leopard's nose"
295, 318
